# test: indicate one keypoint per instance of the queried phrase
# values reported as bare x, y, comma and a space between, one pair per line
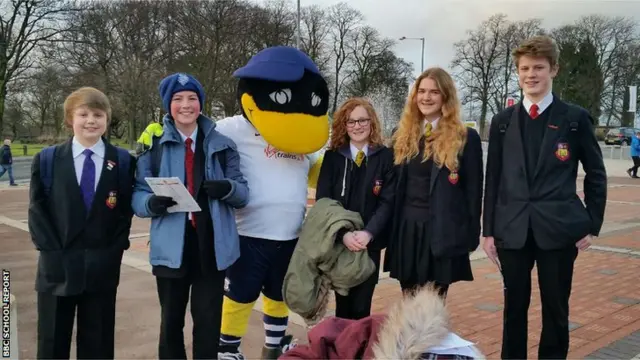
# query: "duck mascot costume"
282, 129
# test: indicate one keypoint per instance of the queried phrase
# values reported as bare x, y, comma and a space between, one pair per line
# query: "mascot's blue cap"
278, 63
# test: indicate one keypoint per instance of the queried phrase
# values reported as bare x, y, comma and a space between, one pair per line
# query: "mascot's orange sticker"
454, 177
562, 152
112, 200
377, 187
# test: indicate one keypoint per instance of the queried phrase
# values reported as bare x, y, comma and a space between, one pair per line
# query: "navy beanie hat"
179, 82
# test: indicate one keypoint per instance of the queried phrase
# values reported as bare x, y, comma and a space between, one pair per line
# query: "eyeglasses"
362, 122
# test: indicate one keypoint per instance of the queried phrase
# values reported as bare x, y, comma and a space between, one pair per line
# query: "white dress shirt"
542, 104
434, 125
193, 137
97, 157
354, 151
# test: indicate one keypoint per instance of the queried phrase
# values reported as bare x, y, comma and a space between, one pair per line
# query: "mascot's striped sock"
235, 319
276, 316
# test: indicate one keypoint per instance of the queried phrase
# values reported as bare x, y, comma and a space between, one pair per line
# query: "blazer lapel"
435, 171
551, 133
66, 170
108, 177
513, 141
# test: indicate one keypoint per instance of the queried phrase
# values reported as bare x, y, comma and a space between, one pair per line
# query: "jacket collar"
171, 134
345, 150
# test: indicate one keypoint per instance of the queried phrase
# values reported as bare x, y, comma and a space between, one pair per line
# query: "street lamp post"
422, 56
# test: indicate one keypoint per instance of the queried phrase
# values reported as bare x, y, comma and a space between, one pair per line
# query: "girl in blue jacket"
190, 251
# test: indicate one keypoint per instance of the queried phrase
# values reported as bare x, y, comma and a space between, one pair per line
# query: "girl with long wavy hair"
357, 171
437, 209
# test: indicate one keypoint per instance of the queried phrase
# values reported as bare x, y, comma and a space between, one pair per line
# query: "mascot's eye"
315, 100
281, 96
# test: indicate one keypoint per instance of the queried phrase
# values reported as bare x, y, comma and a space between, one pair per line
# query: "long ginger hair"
447, 140
339, 135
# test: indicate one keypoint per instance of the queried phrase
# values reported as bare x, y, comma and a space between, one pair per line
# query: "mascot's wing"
315, 163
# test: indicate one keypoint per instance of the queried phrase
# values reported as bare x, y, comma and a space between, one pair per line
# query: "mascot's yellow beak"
295, 133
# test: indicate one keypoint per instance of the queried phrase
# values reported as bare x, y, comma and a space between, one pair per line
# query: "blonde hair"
86, 96
538, 46
447, 140
339, 134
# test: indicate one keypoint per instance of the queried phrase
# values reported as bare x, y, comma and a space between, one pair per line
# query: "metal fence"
616, 152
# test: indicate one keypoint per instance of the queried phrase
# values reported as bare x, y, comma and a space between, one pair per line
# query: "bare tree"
613, 38
344, 20
477, 61
45, 98
315, 30
366, 51
24, 25
506, 84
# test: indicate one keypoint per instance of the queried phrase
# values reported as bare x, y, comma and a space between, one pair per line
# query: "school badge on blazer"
562, 152
112, 200
377, 187
453, 177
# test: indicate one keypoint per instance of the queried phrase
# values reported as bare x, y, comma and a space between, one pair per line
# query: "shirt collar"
434, 124
97, 148
354, 150
193, 136
542, 104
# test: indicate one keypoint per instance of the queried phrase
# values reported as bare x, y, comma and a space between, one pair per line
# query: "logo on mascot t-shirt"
272, 152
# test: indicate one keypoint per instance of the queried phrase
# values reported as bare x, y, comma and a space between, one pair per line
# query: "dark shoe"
630, 173
286, 343
271, 353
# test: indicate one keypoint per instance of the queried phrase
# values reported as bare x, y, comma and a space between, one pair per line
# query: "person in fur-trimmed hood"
415, 328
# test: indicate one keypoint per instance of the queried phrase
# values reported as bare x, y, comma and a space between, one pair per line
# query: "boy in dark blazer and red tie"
532, 213
80, 218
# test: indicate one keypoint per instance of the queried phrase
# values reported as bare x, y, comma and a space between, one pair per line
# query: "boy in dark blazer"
80, 222
532, 213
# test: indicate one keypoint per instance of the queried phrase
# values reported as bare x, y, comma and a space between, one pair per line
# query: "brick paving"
605, 302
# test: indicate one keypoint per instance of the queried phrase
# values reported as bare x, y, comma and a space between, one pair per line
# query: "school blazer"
548, 205
80, 250
376, 196
455, 203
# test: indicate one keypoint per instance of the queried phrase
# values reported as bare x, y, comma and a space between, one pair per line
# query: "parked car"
620, 136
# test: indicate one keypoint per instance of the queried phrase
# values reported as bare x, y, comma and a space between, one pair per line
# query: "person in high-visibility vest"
146, 138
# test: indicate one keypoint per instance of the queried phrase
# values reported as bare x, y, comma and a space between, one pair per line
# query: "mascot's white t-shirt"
277, 183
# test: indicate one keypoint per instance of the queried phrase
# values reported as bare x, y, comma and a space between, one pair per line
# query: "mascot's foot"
231, 355
286, 343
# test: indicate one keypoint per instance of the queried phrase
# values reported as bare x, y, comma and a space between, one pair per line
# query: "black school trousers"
206, 290
555, 275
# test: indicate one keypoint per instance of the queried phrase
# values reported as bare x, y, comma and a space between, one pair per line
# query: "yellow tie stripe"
359, 158
427, 130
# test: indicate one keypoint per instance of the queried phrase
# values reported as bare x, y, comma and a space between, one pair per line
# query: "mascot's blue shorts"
261, 268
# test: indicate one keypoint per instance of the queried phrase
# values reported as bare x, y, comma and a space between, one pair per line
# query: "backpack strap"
46, 168
573, 126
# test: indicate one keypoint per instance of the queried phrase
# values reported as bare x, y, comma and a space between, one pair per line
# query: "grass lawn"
17, 148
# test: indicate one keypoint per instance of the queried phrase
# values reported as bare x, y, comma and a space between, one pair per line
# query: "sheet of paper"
455, 345
174, 188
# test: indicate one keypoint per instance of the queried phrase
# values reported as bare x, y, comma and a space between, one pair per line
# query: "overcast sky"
443, 22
